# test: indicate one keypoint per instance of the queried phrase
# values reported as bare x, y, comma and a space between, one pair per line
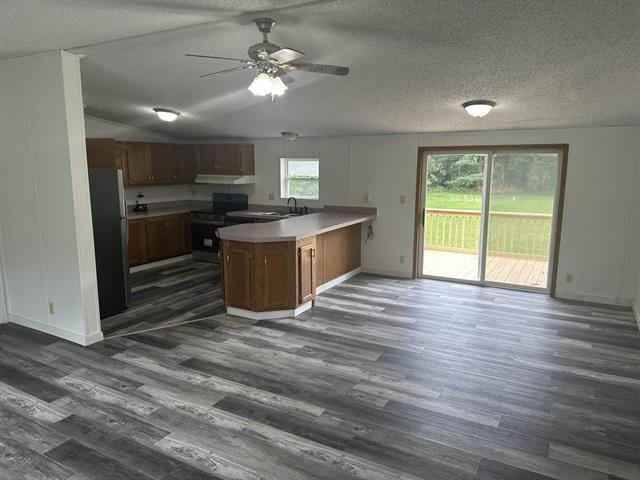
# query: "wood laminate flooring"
166, 295
383, 379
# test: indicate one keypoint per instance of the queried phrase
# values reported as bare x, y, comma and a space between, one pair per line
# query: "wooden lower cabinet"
306, 270
275, 268
257, 276
237, 274
157, 238
137, 242
276, 276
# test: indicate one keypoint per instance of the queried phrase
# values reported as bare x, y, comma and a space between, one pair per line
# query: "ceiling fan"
272, 63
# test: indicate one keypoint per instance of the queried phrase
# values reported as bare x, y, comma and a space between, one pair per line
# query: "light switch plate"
403, 198
271, 196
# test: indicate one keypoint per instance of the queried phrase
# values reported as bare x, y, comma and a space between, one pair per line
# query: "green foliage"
512, 173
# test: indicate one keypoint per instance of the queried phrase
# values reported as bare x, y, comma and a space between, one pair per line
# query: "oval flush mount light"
166, 115
289, 136
478, 108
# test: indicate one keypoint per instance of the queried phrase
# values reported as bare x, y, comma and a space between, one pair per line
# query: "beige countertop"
292, 228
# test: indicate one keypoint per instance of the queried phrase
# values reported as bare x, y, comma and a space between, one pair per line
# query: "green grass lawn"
499, 202
512, 235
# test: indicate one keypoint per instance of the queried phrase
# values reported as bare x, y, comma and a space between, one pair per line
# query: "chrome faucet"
295, 205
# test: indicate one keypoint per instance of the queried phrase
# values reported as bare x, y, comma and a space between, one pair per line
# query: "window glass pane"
303, 188
299, 168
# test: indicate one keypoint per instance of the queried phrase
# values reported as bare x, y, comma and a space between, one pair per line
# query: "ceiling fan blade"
219, 58
320, 68
228, 70
285, 55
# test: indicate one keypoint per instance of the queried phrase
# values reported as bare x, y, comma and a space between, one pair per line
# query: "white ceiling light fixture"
265, 84
261, 85
478, 108
166, 115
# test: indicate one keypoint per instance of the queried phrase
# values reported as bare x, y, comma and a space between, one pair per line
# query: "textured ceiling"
548, 63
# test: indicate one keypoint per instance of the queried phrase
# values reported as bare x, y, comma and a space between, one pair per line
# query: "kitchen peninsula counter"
276, 269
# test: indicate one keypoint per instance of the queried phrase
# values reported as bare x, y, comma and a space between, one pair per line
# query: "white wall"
45, 216
600, 233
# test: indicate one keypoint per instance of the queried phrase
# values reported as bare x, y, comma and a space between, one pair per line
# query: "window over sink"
300, 178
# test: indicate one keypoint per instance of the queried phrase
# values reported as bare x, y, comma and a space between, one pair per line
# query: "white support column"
45, 210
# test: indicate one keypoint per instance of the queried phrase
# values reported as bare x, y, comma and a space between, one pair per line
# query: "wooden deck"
501, 269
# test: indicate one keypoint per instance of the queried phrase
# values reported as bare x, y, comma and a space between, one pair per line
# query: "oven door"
204, 241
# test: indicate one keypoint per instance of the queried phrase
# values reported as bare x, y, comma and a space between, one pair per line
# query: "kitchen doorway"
490, 215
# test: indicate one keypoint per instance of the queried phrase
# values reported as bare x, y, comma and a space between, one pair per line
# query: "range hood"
226, 179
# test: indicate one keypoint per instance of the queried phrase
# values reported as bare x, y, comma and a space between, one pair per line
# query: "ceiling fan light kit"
479, 108
273, 64
166, 115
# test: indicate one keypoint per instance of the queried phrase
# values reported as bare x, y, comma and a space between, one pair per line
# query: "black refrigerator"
110, 236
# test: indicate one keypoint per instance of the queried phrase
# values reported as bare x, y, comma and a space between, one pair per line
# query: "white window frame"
284, 177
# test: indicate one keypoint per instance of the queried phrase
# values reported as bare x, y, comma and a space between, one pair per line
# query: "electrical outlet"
403, 198
51, 308
569, 278
401, 258
368, 197
271, 196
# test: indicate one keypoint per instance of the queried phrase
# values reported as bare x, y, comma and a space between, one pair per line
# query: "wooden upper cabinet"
306, 272
138, 161
226, 159
188, 157
137, 242
206, 161
160, 172
145, 163
237, 274
106, 153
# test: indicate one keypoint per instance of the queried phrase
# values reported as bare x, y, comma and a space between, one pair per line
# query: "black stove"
204, 223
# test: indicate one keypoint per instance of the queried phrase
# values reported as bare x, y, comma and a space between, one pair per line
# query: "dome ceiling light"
478, 108
166, 115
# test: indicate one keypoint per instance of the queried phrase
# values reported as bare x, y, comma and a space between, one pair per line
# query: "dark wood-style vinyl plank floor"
383, 379
168, 294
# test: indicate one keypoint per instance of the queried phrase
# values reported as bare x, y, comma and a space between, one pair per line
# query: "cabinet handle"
313, 253
265, 261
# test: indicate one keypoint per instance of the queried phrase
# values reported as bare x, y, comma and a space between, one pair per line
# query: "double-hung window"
300, 178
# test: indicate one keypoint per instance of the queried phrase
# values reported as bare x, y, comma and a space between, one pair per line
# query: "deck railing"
510, 233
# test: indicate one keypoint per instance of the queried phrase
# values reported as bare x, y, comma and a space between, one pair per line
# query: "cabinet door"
237, 274
206, 163
101, 152
160, 170
156, 238
228, 157
176, 236
188, 158
137, 242
275, 275
306, 272
139, 163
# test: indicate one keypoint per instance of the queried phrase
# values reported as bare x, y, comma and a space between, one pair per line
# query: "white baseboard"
581, 297
57, 331
240, 312
332, 283
160, 263
387, 273
635, 306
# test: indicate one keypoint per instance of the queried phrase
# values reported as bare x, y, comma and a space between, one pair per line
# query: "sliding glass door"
453, 215
489, 217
